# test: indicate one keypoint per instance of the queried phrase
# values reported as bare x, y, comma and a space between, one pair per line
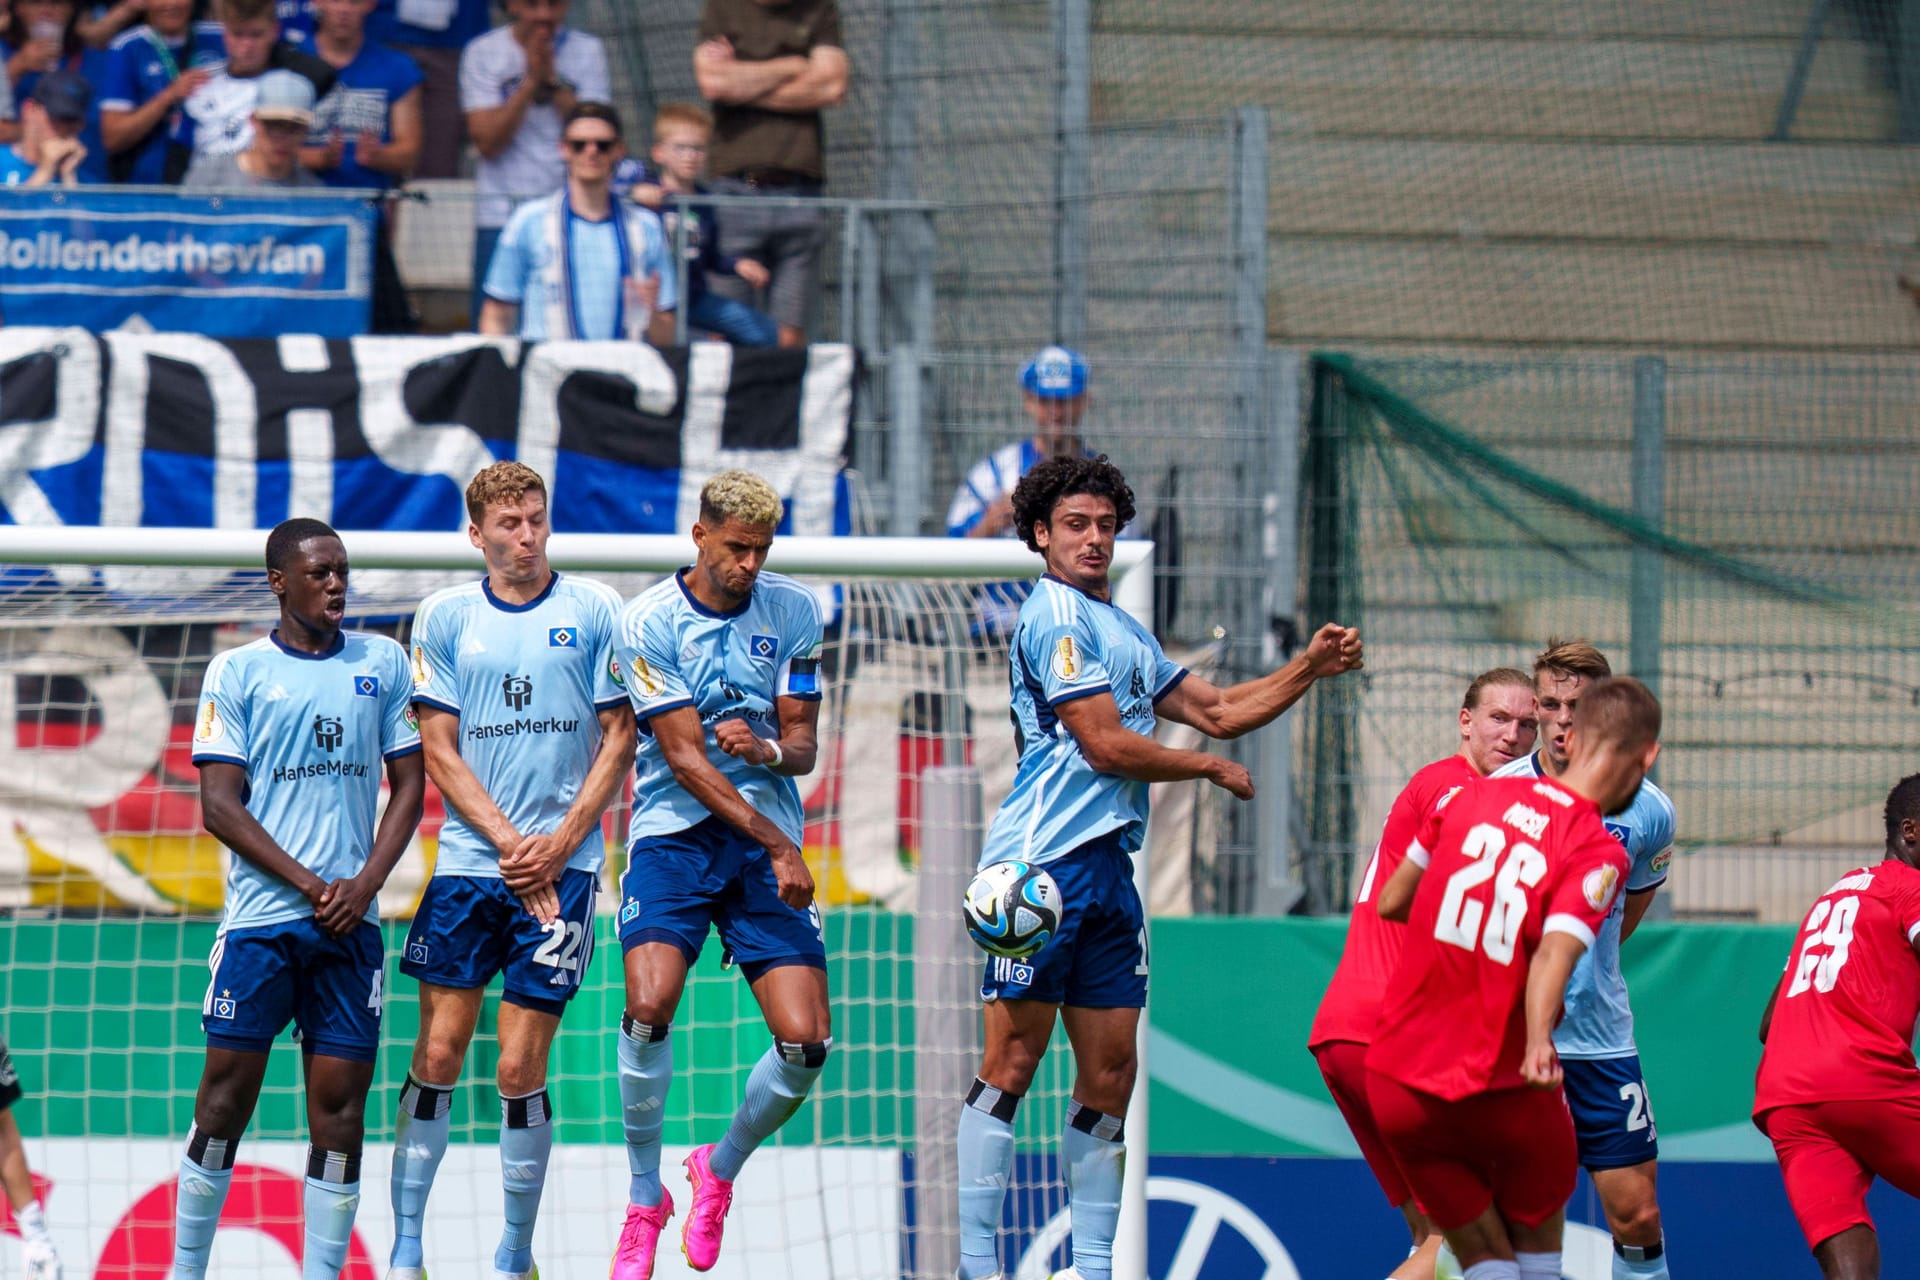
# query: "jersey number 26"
1461, 917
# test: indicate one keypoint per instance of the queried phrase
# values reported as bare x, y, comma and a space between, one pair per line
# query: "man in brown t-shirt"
769, 68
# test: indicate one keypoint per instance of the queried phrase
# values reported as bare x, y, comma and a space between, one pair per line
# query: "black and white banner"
174, 429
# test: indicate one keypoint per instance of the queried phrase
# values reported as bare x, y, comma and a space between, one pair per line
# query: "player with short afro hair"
288, 535
1042, 488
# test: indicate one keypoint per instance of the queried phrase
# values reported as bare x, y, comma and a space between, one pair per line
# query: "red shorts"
1830, 1153
1512, 1149
1343, 1065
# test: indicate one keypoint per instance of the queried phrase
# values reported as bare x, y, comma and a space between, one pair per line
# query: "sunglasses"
603, 146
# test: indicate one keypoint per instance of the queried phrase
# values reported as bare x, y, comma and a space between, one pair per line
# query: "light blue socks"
419, 1144
646, 1073
986, 1160
526, 1140
1093, 1152
775, 1090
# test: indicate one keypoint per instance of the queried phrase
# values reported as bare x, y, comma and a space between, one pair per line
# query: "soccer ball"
1013, 909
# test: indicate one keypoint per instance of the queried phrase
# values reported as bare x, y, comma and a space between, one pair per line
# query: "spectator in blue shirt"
366, 131
50, 149
580, 263
432, 33
151, 70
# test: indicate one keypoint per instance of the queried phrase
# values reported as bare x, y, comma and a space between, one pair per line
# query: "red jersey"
1512, 860
1843, 1024
1351, 1006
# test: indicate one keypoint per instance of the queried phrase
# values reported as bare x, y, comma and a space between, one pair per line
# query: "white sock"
1494, 1269
33, 1223
1538, 1266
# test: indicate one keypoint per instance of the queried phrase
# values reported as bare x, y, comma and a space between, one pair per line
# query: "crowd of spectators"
571, 234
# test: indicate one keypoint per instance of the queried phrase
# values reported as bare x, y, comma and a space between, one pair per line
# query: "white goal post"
904, 603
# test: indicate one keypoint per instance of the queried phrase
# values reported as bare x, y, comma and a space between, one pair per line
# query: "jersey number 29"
1830, 926
1461, 917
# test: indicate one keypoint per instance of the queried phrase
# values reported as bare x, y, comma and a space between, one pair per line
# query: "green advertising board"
103, 1020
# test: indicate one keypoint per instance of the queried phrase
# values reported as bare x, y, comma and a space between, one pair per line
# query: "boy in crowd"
680, 134
49, 149
282, 115
217, 117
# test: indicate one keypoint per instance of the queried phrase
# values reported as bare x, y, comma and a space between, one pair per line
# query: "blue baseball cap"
1056, 373
63, 95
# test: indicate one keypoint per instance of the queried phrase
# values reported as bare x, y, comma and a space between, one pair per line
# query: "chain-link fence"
1738, 532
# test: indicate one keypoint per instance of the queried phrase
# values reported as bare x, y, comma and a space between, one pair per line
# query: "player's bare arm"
683, 744
538, 858
223, 808
459, 787
799, 740
1111, 747
1546, 996
345, 902
1638, 900
1396, 895
1228, 713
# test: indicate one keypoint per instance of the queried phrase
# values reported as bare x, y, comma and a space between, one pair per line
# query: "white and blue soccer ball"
1013, 909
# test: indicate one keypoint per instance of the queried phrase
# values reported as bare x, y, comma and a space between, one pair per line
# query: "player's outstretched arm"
459, 787
1228, 713
223, 808
1110, 747
1546, 995
683, 744
345, 901
539, 858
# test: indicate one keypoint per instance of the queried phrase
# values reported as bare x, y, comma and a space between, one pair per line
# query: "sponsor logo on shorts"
562, 638
629, 910
417, 952
223, 1006
762, 647
366, 686
1012, 972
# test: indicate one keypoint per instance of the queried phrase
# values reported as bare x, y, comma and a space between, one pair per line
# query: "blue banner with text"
220, 265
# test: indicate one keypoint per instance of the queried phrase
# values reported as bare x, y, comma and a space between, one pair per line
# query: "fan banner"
219, 264
182, 430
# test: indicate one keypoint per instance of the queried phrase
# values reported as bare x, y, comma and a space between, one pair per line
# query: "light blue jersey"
1068, 645
676, 652
1599, 1022
528, 682
312, 732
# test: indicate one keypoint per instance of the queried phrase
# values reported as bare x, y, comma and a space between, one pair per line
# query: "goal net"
113, 892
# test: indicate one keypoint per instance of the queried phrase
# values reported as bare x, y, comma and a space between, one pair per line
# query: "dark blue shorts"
680, 884
1098, 959
469, 928
9, 1080
272, 974
1612, 1114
